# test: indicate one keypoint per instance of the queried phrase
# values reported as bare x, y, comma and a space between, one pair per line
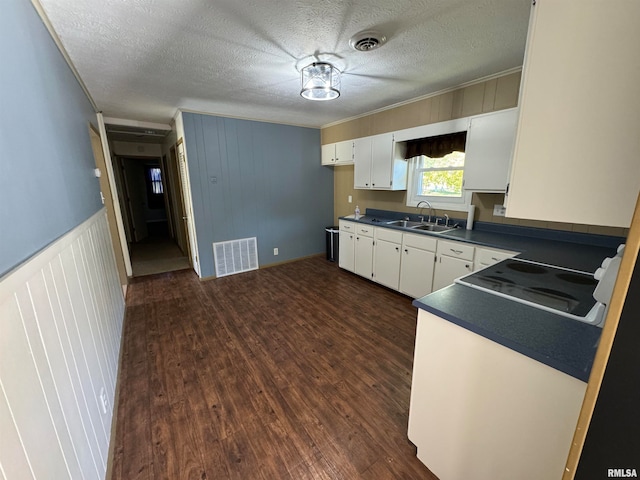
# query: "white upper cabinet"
379, 163
362, 162
489, 149
577, 156
340, 153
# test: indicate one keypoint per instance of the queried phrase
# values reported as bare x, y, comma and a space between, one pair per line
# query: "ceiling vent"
367, 40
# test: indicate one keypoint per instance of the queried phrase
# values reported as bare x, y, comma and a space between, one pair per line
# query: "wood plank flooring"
298, 371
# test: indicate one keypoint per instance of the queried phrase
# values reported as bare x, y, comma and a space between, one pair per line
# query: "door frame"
119, 224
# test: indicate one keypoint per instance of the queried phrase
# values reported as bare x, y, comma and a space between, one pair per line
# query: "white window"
439, 181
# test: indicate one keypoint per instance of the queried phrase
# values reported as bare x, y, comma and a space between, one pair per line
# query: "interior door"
178, 202
185, 188
107, 199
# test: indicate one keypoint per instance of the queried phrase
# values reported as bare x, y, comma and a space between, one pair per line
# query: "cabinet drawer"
424, 242
347, 226
486, 256
364, 230
389, 235
455, 249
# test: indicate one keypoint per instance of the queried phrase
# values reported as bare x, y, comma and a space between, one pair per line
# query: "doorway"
148, 207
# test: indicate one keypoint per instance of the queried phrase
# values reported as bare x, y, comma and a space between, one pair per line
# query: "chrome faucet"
430, 210
446, 220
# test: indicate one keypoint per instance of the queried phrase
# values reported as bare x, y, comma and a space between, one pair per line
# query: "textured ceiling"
144, 59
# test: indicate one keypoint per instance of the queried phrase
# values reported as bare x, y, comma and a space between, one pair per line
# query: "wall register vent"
235, 256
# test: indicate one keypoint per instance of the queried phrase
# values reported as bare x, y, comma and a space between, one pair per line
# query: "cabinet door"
488, 151
328, 154
346, 252
381, 161
364, 256
576, 143
386, 266
362, 162
344, 153
416, 271
485, 257
448, 269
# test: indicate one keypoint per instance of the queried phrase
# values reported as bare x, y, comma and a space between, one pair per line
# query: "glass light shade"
320, 81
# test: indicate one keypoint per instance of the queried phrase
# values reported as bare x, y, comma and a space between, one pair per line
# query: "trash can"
332, 234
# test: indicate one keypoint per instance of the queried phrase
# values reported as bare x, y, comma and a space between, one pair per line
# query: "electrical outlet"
350, 198
499, 210
104, 403
275, 251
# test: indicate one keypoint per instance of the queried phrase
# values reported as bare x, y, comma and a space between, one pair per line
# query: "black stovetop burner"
552, 288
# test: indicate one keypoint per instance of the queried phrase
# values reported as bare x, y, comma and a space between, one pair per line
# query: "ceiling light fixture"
320, 81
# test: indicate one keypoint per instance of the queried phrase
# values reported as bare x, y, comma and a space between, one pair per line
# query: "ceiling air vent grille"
235, 256
366, 41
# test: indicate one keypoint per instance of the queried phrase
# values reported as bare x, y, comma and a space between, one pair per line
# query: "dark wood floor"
299, 371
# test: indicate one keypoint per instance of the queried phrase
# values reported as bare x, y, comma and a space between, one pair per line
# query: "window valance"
438, 146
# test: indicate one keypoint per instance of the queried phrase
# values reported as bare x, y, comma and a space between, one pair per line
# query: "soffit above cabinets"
144, 59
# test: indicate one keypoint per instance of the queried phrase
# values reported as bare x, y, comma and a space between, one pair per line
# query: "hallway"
157, 254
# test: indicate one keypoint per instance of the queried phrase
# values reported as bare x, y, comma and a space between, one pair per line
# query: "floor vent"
235, 256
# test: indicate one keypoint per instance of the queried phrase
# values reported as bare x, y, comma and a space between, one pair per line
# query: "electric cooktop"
556, 289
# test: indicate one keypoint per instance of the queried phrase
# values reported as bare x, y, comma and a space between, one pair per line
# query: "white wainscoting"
61, 315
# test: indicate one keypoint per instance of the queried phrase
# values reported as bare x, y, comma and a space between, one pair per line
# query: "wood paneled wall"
257, 179
61, 317
484, 97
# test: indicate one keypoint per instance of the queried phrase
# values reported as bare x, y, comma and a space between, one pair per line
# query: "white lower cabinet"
482, 411
346, 252
386, 257
454, 259
485, 257
412, 263
417, 264
364, 251
346, 245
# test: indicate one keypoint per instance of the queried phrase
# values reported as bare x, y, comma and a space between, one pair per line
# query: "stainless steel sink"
432, 227
429, 227
404, 223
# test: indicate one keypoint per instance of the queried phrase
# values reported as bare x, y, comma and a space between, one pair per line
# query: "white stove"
578, 295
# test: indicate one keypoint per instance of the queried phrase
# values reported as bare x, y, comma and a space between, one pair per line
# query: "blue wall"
255, 179
47, 186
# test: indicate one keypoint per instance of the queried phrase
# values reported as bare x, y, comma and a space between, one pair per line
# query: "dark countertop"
564, 344
560, 342
578, 251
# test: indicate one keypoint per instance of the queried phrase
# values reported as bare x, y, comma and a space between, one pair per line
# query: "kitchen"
606, 206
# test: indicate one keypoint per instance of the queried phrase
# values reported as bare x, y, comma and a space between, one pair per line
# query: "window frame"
155, 201
460, 204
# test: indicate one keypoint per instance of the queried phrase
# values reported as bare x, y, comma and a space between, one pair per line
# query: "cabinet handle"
467, 265
398, 249
495, 259
457, 252
406, 251
365, 231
